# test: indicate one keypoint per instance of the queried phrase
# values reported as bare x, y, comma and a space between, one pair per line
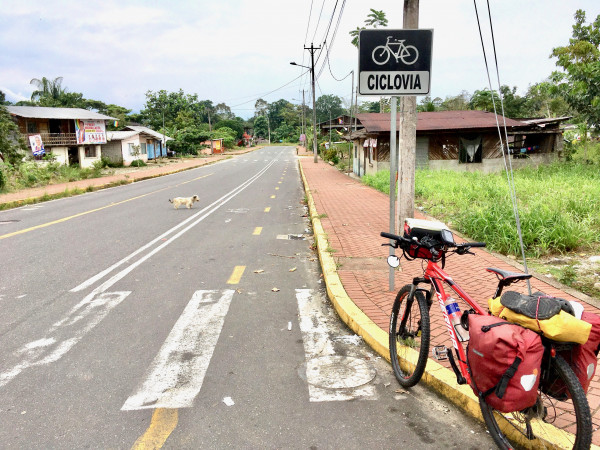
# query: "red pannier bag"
582, 358
504, 361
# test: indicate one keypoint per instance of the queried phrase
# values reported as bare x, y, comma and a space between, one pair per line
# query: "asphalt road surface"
127, 323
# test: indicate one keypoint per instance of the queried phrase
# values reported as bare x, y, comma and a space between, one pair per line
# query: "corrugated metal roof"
439, 120
44, 112
150, 131
120, 135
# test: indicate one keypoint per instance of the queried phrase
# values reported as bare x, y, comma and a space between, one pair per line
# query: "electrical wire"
505, 155
332, 41
256, 97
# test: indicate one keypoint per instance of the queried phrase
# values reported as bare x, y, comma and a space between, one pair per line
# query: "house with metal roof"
135, 142
459, 140
72, 135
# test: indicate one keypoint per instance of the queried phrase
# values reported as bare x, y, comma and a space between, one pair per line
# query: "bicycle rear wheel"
566, 420
409, 336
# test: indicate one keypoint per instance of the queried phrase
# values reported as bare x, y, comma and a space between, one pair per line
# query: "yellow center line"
277, 188
161, 426
267, 209
257, 231
64, 219
236, 275
272, 196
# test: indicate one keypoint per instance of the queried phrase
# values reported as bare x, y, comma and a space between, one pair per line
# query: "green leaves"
580, 61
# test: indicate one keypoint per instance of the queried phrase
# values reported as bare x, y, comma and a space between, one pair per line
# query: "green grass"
31, 174
559, 206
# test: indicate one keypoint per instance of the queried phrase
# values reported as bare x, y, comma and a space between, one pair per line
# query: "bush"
331, 155
2, 178
138, 163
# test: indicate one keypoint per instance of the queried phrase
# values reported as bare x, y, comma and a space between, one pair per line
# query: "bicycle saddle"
506, 275
528, 305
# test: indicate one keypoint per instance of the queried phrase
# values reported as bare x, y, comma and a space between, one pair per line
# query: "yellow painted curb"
440, 378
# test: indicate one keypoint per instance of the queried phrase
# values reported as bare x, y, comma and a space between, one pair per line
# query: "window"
131, 150
32, 127
90, 151
143, 150
470, 149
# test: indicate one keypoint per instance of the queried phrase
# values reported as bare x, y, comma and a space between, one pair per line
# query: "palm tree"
48, 92
374, 19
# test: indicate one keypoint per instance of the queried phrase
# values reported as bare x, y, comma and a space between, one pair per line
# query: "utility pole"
303, 116
350, 143
408, 134
312, 50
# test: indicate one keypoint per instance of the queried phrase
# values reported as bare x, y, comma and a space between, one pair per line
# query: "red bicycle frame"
438, 277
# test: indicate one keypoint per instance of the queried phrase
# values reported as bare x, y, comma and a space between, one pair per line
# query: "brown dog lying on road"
187, 201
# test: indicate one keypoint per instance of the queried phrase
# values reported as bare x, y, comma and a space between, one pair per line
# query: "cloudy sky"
237, 51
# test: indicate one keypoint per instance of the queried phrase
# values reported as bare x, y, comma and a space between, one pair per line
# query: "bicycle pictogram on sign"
408, 54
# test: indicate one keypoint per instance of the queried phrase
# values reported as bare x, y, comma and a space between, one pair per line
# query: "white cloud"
233, 50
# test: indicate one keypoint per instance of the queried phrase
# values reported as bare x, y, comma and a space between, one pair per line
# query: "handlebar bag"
562, 327
419, 229
582, 359
504, 361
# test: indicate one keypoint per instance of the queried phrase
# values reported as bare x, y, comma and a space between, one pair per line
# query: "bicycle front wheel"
409, 336
564, 419
380, 55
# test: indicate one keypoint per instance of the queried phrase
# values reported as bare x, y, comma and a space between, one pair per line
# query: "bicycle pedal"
440, 352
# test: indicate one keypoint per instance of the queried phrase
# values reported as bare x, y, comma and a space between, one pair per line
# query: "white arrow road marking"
177, 373
330, 377
63, 335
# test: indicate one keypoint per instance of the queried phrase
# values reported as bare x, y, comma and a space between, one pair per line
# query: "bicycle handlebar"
461, 248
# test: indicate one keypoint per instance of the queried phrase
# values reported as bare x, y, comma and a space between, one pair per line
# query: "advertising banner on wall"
90, 131
37, 146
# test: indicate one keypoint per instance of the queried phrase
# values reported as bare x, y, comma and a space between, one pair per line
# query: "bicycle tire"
545, 407
410, 51
382, 56
412, 336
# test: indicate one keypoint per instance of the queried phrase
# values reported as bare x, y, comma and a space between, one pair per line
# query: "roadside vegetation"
559, 210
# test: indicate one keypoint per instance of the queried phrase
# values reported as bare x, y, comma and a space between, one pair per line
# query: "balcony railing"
54, 139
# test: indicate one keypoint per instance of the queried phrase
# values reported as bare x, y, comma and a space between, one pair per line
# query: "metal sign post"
394, 63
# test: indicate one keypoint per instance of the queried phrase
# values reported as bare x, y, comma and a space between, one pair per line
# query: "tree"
374, 19
261, 107
261, 128
224, 112
484, 100
514, 105
459, 102
544, 99
579, 81
232, 124
48, 92
278, 111
369, 107
3, 99
12, 145
328, 106
429, 105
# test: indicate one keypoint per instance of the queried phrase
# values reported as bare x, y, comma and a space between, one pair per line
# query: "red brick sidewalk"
353, 215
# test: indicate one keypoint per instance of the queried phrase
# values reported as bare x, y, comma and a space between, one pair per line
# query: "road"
126, 323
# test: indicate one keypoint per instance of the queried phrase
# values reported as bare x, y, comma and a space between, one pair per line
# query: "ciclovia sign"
394, 62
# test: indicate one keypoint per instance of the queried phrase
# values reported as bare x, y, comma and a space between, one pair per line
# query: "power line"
318, 21
256, 97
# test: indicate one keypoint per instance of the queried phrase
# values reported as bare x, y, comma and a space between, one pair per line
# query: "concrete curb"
438, 377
